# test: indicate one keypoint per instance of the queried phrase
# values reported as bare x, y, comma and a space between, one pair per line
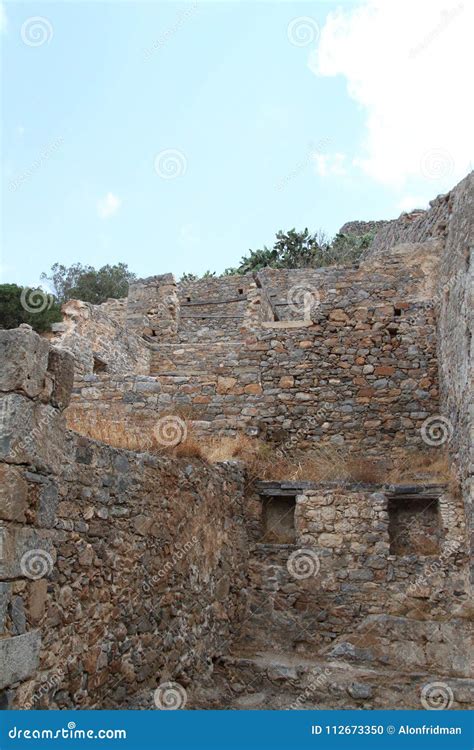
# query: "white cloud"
408, 65
410, 202
330, 164
189, 235
3, 19
108, 206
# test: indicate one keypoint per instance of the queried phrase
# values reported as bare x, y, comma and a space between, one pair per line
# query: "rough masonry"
122, 571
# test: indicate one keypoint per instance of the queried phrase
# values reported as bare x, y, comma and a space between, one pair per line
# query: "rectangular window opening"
279, 519
99, 365
414, 526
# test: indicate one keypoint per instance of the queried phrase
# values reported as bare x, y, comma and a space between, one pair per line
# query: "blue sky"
174, 136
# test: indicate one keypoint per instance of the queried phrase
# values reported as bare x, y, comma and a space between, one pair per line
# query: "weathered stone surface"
19, 657
13, 494
61, 368
24, 357
162, 566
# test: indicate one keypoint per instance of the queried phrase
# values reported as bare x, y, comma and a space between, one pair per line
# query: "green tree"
88, 284
28, 305
347, 248
295, 249
291, 250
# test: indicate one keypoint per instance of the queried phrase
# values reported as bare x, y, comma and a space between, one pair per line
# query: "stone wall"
118, 570
361, 373
98, 339
415, 226
342, 565
153, 307
454, 299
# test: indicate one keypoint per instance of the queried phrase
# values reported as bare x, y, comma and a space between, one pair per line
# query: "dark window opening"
241, 291
413, 526
398, 312
99, 365
279, 520
188, 299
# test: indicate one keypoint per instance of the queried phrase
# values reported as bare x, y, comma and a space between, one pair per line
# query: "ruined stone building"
125, 574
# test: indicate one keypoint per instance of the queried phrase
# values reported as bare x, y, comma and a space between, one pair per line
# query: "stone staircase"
302, 648
377, 666
268, 680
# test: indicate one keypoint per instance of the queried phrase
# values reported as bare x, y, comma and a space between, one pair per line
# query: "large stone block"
26, 553
61, 369
5, 594
24, 357
13, 494
19, 657
31, 433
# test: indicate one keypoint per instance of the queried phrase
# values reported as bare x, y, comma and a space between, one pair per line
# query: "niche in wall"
414, 526
279, 520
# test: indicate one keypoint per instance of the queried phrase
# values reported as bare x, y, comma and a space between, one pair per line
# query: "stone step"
269, 680
408, 644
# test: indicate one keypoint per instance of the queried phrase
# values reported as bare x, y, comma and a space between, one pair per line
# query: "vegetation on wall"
302, 249
27, 305
88, 284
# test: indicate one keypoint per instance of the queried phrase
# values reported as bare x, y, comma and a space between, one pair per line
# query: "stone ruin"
129, 578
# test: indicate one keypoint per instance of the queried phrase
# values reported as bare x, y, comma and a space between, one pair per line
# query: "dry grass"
264, 460
111, 431
419, 466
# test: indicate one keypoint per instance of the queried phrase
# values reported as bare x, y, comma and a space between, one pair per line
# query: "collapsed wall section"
118, 570
415, 226
99, 340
